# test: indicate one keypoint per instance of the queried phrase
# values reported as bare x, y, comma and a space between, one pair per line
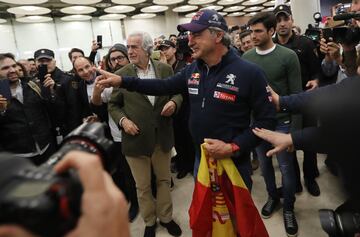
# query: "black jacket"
306, 52
25, 124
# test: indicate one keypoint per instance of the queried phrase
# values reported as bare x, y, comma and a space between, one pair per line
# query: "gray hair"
147, 42
226, 39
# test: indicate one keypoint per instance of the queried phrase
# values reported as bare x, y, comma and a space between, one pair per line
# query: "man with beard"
24, 122
117, 57
310, 67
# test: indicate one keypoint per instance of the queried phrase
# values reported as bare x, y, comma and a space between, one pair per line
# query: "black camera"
183, 43
41, 201
340, 224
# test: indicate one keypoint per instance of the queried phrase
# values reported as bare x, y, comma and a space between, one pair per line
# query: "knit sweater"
282, 69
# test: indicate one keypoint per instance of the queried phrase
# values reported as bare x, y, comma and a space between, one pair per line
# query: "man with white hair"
148, 133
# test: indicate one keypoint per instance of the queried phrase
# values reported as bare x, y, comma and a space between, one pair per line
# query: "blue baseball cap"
204, 19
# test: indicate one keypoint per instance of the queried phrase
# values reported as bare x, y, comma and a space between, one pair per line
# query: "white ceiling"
105, 9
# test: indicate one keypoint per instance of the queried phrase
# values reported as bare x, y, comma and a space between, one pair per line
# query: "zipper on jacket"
203, 103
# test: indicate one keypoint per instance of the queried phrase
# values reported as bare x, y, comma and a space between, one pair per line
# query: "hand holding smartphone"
99, 41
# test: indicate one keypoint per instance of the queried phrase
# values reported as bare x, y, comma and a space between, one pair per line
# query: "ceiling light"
29, 10
34, 19
200, 2
119, 9
154, 8
269, 9
112, 17
128, 2
223, 13
103, 5
229, 2
143, 16
81, 2
76, 18
252, 3
233, 9
24, 2
251, 9
250, 14
78, 10
236, 14
167, 2
185, 8
2, 20
213, 7
190, 15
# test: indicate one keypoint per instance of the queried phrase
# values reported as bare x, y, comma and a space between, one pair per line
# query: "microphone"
346, 16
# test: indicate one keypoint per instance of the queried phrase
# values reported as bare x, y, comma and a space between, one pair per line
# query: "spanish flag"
222, 205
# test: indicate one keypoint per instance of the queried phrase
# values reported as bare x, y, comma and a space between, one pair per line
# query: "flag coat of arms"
222, 205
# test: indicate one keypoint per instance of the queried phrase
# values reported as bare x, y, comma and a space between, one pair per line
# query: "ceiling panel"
133, 7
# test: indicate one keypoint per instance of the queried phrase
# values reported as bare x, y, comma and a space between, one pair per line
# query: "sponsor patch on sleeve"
224, 96
193, 91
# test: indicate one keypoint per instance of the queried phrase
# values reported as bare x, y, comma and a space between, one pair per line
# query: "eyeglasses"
118, 58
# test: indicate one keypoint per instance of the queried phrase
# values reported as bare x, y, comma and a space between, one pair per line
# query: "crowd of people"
157, 98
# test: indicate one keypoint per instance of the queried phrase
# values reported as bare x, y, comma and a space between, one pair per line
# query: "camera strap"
35, 88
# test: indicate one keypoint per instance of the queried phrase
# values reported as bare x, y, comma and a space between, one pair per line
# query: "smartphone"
42, 71
99, 41
5, 89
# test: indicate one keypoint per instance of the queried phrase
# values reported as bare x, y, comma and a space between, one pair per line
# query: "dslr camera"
41, 201
343, 222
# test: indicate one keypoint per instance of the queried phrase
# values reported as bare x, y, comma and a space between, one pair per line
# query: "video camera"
183, 43
346, 34
41, 201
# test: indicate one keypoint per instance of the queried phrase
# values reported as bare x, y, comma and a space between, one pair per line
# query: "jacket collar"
226, 59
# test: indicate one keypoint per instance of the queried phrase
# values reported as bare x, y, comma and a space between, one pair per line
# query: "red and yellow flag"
222, 205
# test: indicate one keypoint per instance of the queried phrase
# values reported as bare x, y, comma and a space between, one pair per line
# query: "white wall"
303, 11
23, 39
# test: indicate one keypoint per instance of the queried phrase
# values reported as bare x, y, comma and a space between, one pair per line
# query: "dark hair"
3, 56
244, 34
31, 59
73, 50
172, 36
268, 19
23, 69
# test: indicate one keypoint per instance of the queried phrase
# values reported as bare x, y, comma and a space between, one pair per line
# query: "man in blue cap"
223, 90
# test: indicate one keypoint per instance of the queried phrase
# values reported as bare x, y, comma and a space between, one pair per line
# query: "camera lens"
328, 222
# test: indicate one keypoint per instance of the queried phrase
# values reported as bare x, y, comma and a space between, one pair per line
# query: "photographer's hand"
103, 206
